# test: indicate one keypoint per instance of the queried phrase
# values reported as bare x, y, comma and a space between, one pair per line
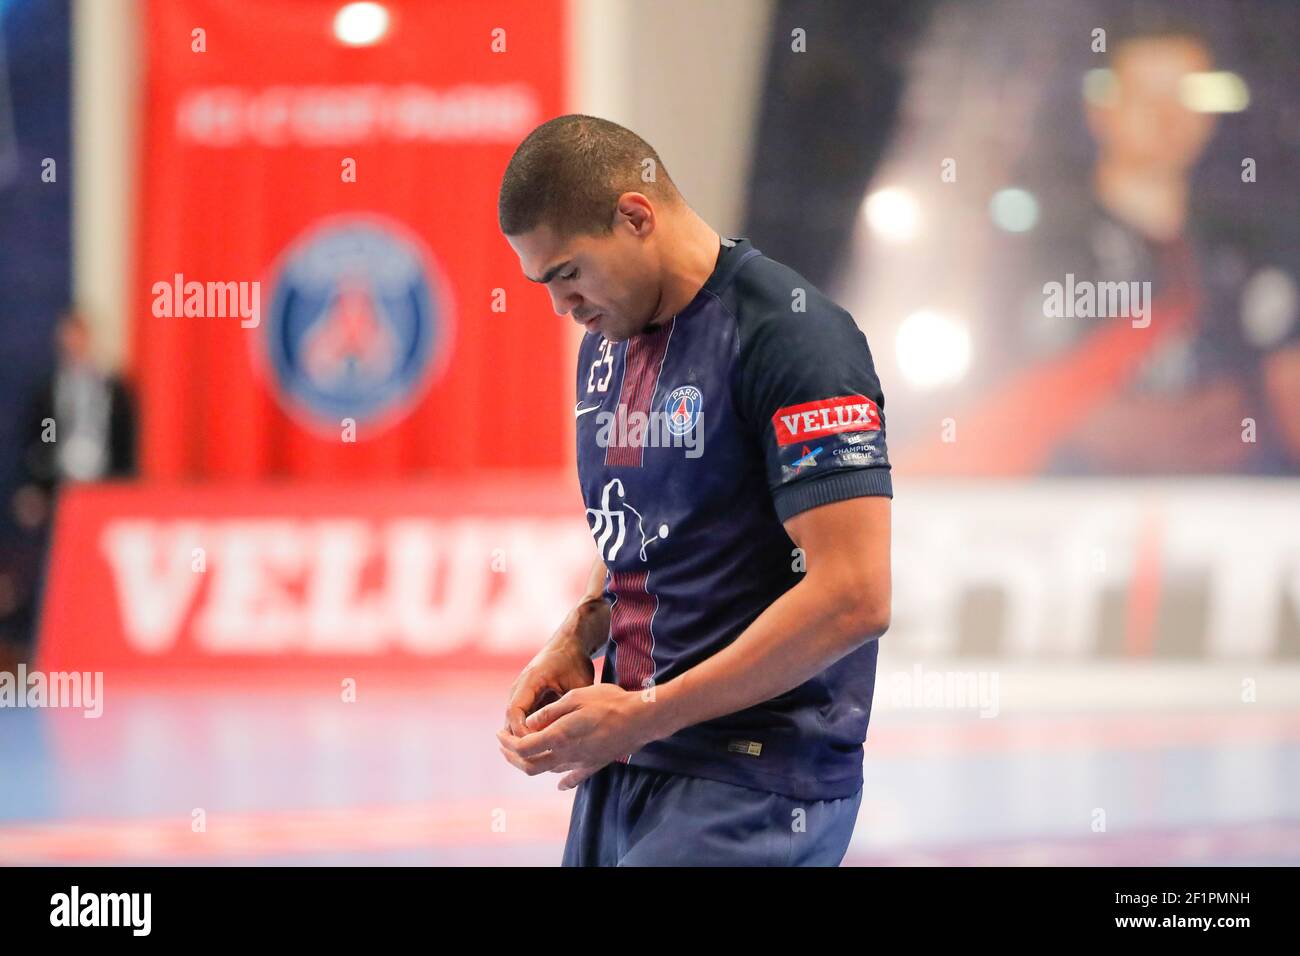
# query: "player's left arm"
809, 393
842, 602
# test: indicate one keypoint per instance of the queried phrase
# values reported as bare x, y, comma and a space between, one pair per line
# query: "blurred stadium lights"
1099, 87
1269, 304
933, 349
893, 214
1218, 92
361, 24
1014, 210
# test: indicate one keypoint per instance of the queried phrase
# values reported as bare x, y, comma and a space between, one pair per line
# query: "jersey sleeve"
808, 389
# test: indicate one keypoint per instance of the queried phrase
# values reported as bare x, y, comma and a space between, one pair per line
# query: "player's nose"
564, 304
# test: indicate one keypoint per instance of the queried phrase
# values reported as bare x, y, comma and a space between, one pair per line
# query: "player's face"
607, 282
74, 340
1148, 125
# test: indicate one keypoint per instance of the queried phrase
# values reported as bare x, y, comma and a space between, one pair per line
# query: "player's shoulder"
777, 307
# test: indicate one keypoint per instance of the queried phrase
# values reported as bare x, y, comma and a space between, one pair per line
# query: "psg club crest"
356, 325
683, 409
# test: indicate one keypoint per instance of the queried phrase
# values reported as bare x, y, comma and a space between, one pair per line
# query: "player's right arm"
564, 663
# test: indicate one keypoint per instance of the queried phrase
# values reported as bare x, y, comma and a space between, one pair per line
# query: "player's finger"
527, 746
531, 746
569, 767
532, 691
576, 777
521, 701
515, 721
519, 763
547, 715
563, 735
541, 764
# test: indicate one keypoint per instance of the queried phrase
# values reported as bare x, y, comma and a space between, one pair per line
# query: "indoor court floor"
220, 773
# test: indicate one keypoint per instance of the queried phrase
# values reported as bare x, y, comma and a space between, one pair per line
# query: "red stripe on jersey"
630, 628
641, 366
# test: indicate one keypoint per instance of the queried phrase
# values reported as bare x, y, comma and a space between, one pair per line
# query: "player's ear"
634, 211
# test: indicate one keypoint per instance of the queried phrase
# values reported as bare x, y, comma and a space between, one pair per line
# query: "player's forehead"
1160, 60
542, 250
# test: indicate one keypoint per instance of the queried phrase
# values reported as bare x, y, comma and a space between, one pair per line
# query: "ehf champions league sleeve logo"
358, 324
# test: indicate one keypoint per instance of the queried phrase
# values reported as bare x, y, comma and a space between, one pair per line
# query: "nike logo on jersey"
579, 411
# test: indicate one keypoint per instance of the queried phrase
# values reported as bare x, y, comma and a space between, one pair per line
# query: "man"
731, 453
80, 427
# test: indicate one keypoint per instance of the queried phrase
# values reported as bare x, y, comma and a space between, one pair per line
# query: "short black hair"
1147, 21
569, 172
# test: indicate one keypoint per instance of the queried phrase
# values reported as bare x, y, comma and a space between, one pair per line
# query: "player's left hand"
583, 731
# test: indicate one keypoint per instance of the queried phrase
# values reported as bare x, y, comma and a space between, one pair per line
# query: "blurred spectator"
81, 428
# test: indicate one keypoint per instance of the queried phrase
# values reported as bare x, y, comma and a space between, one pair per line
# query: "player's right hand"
558, 668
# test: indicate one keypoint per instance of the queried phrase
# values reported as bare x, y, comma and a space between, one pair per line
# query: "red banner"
278, 579
322, 291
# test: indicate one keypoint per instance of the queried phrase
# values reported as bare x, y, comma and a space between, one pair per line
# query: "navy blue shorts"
632, 816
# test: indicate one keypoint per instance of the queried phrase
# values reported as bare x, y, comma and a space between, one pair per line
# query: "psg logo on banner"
357, 325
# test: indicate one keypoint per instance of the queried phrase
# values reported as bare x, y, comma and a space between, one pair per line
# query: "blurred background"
285, 453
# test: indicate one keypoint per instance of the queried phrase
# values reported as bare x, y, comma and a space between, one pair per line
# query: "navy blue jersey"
696, 440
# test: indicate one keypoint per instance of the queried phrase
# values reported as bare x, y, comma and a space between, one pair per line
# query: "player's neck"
691, 254
1152, 201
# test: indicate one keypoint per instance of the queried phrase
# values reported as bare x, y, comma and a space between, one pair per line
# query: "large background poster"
322, 291
990, 166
